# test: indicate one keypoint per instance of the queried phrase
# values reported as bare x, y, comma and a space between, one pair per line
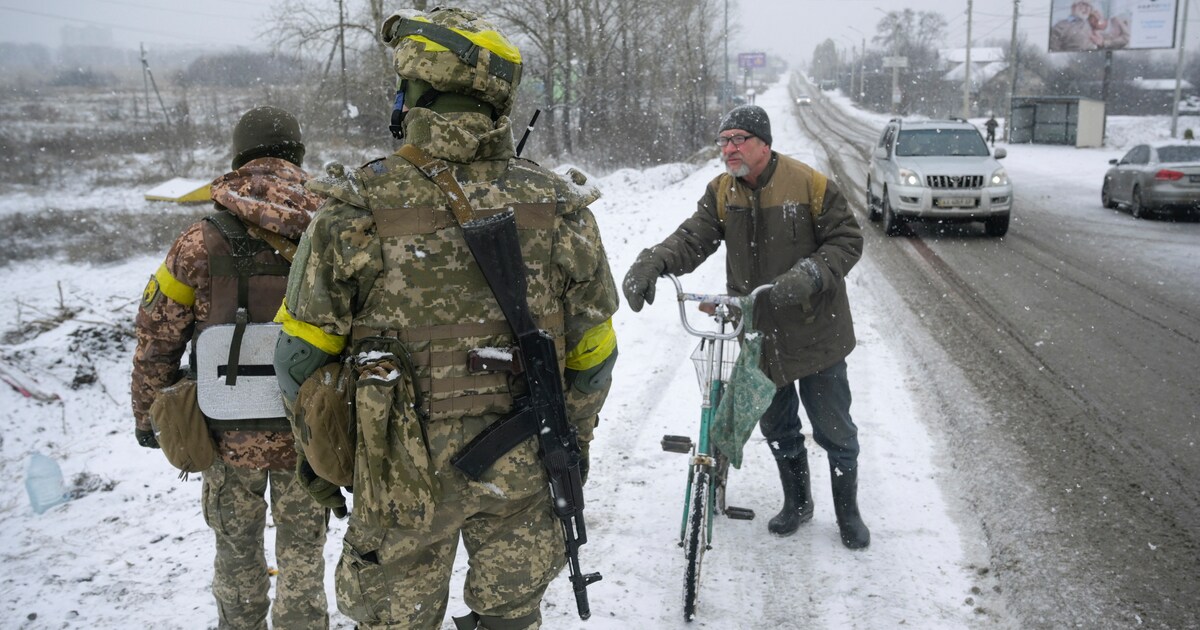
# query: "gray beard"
740, 171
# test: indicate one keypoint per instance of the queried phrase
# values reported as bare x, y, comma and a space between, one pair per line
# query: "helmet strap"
397, 122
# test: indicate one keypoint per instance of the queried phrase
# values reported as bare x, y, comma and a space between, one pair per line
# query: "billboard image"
1081, 25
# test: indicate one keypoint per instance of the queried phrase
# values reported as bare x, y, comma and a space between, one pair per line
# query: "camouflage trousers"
400, 578
235, 508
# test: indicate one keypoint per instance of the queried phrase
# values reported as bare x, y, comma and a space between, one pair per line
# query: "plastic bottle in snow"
44, 482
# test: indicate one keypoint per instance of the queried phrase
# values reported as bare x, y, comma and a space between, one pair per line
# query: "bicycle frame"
706, 468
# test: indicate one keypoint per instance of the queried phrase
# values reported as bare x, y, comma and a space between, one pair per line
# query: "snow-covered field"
131, 550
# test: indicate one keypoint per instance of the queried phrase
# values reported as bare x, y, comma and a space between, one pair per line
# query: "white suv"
937, 169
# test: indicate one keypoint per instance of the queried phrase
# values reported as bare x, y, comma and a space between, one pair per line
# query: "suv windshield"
928, 142
1179, 154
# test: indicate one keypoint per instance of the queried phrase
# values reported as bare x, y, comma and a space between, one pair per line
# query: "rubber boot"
855, 534
797, 496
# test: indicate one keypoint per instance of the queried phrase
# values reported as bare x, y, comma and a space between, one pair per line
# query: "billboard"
752, 60
1082, 25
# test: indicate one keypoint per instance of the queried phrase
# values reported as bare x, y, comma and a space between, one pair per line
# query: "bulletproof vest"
248, 278
433, 297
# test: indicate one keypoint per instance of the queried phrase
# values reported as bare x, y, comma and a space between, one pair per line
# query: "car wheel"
892, 224
1106, 197
996, 226
1135, 204
872, 206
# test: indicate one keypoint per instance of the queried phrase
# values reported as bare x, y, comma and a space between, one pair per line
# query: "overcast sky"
789, 28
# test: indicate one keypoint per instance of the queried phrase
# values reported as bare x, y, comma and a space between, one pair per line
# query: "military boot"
855, 534
797, 496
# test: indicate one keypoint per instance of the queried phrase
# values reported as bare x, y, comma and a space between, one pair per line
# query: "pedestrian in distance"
991, 125
389, 285
228, 271
783, 223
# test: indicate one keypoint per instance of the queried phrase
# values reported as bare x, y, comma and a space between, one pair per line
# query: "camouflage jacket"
386, 256
266, 194
796, 212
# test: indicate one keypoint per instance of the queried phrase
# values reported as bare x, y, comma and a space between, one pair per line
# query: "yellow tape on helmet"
491, 40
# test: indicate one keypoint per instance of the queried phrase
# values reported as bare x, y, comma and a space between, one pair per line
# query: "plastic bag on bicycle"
747, 395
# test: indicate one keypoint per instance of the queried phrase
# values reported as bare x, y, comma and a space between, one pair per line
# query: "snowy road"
1073, 333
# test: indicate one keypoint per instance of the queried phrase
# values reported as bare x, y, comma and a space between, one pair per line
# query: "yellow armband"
171, 287
596, 346
321, 340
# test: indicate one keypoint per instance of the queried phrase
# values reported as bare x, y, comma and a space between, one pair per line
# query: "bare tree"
608, 75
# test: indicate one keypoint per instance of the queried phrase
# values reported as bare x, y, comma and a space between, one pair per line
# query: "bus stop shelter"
1069, 120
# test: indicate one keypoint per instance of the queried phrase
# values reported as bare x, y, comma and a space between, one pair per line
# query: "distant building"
986, 64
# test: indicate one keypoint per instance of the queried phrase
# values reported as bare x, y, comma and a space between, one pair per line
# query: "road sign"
752, 60
895, 62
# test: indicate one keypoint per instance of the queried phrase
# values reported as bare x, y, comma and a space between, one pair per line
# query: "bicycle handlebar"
721, 299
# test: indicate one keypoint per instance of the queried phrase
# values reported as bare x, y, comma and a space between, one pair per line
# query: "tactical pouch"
323, 423
393, 473
181, 429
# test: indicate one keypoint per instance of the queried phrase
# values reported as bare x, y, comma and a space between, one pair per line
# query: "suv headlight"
999, 178
909, 177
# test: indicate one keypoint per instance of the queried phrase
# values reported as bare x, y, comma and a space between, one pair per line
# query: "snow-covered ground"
131, 549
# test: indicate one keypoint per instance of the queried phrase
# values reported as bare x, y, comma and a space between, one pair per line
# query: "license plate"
1194, 178
956, 202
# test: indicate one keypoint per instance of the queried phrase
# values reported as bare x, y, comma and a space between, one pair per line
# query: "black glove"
323, 491
145, 438
797, 285
639, 281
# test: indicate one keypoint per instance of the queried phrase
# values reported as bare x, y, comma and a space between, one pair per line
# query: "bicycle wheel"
696, 542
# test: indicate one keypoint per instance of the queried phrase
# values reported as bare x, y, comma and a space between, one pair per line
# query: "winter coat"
795, 212
186, 295
385, 259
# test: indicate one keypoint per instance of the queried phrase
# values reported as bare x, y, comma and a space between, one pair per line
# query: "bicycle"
708, 467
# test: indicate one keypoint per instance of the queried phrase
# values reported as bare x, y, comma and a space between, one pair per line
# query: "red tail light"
1169, 175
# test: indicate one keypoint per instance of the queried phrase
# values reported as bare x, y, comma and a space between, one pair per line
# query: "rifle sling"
497, 439
438, 171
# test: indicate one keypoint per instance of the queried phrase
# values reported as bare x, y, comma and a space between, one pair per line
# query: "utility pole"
342, 44
146, 73
1179, 70
726, 89
1013, 61
145, 78
862, 72
966, 108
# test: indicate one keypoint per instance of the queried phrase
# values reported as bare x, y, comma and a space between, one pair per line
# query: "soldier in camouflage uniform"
384, 278
191, 292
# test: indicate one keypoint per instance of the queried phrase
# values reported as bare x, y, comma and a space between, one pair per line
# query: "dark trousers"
826, 398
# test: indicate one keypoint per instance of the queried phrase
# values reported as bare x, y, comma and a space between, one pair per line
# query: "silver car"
940, 170
1154, 177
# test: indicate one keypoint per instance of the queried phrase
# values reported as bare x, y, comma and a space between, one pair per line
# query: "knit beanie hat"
750, 118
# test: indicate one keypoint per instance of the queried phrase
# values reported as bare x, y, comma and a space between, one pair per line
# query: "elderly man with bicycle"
786, 224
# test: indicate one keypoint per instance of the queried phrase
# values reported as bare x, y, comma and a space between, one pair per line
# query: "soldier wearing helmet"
384, 283
231, 268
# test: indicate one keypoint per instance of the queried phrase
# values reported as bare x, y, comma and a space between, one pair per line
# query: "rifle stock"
542, 412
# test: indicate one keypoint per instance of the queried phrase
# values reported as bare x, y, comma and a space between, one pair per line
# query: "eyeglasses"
737, 140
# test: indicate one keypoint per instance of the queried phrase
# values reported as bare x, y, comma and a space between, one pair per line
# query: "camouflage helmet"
267, 132
455, 51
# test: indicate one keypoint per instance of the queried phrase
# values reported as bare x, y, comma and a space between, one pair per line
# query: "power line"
135, 5
181, 36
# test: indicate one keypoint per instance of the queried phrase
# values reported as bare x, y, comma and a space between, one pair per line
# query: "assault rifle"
542, 411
